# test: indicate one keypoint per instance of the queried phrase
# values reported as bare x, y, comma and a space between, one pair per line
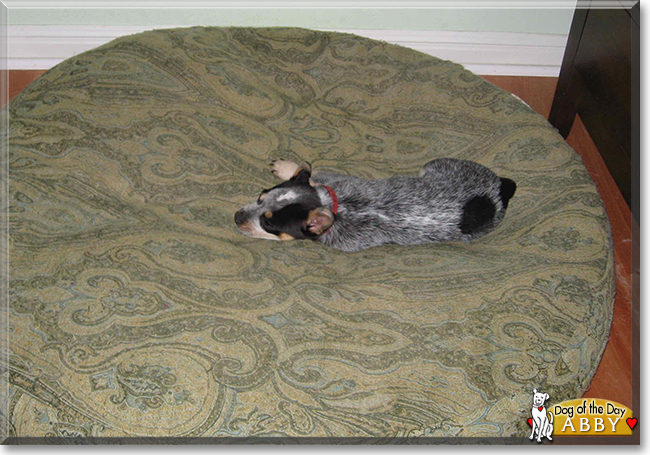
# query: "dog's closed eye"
262, 196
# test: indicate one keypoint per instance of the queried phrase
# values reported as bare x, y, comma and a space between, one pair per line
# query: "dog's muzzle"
240, 218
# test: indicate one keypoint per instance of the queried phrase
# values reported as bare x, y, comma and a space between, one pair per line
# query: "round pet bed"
138, 309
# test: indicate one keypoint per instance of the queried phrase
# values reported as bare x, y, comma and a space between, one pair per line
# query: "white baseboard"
487, 53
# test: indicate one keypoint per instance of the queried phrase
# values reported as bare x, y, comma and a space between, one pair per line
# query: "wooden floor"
613, 380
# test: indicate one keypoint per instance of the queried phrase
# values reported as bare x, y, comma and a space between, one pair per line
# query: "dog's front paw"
283, 169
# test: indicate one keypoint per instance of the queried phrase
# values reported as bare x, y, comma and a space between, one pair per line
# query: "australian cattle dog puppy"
451, 200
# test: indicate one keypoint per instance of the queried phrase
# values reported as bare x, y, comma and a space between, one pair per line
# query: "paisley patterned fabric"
137, 309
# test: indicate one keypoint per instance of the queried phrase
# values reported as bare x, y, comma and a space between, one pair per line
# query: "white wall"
539, 21
516, 40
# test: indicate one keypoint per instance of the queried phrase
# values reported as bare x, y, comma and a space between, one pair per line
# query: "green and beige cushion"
137, 309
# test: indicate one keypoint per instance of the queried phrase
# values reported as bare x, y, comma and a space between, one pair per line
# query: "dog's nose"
239, 217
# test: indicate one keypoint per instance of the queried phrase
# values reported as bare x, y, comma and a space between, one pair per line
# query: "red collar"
335, 200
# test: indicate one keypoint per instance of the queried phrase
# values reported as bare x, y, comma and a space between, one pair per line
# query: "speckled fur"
407, 210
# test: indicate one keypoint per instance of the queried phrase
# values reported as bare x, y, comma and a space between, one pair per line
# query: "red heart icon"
530, 422
540, 408
631, 423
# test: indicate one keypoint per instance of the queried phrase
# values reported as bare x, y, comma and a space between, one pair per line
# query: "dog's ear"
546, 395
534, 390
319, 220
303, 174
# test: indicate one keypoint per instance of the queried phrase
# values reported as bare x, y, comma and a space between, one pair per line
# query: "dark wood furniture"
599, 81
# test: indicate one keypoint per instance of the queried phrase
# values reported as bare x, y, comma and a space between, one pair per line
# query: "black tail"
508, 188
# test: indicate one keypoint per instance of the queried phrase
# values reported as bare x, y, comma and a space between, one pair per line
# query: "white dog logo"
542, 421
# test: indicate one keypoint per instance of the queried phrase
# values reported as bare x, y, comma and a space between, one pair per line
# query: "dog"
542, 421
451, 200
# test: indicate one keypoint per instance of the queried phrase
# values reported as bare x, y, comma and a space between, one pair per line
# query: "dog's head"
291, 210
539, 398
